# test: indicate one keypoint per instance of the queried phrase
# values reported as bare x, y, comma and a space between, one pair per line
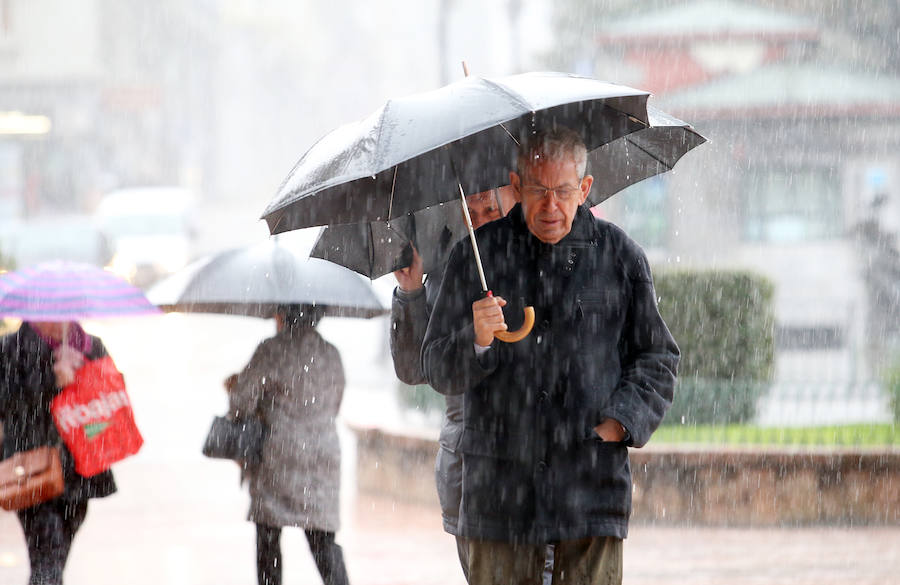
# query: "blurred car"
149, 230
59, 237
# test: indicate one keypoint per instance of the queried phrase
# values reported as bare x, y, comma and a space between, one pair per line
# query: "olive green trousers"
588, 561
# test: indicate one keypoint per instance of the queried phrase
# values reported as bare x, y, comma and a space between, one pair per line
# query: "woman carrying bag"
35, 364
294, 383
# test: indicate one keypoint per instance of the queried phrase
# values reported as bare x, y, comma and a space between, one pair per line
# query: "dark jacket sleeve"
448, 354
649, 363
5, 376
409, 319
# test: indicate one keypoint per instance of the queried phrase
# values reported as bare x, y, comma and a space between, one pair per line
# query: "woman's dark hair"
301, 315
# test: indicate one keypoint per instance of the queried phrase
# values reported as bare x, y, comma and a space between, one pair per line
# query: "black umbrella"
377, 248
255, 280
423, 149
640, 155
431, 147
372, 249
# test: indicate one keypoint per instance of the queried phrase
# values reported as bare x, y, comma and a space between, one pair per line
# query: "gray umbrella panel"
372, 249
408, 155
255, 280
640, 155
377, 248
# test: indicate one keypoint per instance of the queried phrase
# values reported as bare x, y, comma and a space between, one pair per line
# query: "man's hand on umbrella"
487, 315
410, 278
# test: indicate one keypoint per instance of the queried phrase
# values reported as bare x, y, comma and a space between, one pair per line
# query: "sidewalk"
179, 518
166, 526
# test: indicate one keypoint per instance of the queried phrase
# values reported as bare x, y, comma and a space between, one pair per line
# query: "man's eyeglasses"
537, 193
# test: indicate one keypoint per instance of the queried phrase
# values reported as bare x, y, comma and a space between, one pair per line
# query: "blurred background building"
219, 97
800, 180
804, 127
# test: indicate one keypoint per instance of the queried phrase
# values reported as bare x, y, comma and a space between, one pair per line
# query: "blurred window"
792, 205
644, 214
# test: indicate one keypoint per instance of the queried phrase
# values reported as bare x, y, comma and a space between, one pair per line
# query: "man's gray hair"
556, 143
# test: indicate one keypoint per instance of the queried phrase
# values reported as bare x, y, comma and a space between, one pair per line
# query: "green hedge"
890, 377
724, 323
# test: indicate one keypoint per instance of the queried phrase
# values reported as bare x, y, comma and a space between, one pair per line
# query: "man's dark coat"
534, 471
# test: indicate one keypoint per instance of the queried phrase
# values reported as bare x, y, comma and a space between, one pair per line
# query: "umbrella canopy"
377, 248
410, 154
640, 155
372, 249
69, 291
255, 280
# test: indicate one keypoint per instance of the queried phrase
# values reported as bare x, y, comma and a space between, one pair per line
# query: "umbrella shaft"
465, 210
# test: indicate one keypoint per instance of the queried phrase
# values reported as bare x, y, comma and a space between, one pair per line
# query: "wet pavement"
184, 524
179, 518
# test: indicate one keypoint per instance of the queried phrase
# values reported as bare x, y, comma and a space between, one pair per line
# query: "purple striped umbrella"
69, 291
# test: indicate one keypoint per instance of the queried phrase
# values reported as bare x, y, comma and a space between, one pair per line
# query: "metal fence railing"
823, 403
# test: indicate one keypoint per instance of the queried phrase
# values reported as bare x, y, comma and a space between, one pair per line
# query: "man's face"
549, 214
483, 208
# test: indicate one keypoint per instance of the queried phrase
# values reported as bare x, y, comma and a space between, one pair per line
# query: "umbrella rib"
509, 134
391, 201
471, 230
371, 248
509, 92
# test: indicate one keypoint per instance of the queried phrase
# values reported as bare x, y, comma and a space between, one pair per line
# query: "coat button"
544, 325
542, 466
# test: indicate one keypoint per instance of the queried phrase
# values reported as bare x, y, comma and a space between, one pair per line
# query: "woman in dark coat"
294, 382
34, 367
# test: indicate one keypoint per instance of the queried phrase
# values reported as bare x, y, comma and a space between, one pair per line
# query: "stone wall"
766, 488
691, 486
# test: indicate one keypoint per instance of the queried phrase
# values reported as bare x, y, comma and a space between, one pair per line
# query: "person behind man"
410, 309
547, 420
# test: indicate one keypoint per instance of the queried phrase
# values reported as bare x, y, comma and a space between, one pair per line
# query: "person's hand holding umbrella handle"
66, 361
520, 333
487, 317
410, 278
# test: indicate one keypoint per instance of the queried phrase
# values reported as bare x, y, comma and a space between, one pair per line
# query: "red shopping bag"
94, 417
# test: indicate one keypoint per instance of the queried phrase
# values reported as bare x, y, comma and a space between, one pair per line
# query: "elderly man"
410, 310
548, 419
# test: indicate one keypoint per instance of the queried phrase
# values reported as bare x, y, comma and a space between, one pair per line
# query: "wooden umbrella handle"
520, 333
